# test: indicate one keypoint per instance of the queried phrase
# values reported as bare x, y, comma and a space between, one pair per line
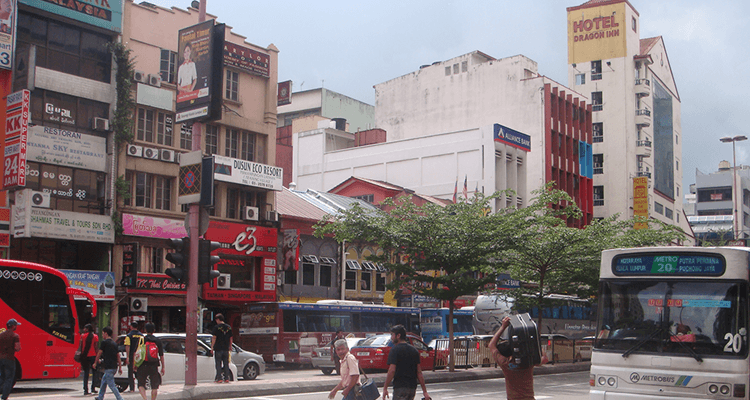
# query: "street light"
728, 139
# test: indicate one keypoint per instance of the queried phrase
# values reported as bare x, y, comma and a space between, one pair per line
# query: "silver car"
321, 356
249, 364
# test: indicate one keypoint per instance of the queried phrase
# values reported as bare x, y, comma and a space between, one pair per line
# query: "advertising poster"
16, 137
290, 250
640, 200
99, 284
198, 74
7, 32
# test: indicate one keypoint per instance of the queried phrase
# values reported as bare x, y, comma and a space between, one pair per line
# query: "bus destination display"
669, 264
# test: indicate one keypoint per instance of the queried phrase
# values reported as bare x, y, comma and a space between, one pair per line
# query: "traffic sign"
191, 165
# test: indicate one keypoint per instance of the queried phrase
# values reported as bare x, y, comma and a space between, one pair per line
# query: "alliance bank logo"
512, 137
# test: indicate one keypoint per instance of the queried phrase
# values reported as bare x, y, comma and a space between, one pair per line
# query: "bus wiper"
686, 347
642, 342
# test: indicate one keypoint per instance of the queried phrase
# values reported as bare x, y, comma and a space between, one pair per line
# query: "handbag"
77, 356
367, 390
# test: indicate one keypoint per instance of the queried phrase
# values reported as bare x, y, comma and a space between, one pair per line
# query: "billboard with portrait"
199, 73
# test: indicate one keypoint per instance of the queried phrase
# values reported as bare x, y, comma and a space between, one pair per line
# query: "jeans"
221, 357
131, 373
108, 379
7, 375
86, 366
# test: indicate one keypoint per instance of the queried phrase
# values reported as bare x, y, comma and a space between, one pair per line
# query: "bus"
672, 324
435, 323
43, 302
285, 333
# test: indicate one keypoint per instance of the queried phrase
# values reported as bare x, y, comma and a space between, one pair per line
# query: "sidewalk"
267, 387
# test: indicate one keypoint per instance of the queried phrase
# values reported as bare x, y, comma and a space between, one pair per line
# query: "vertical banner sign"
129, 265
16, 131
290, 250
199, 75
189, 188
7, 32
4, 227
640, 200
284, 96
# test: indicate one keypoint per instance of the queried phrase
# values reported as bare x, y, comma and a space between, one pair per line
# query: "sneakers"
226, 380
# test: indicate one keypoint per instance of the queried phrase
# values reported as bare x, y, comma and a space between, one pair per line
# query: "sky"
349, 46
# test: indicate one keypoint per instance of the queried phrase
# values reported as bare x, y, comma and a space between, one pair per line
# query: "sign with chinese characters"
16, 136
67, 148
99, 284
248, 173
248, 60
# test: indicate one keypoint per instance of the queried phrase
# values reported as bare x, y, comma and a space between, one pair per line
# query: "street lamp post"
735, 139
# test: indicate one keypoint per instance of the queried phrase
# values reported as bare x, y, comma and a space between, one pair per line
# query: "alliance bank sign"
512, 137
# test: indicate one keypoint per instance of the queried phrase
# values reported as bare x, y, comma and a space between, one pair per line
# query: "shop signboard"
28, 221
247, 60
248, 173
152, 227
99, 284
16, 135
157, 283
67, 148
105, 14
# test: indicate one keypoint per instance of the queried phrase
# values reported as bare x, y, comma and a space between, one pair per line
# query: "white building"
326, 103
636, 115
714, 208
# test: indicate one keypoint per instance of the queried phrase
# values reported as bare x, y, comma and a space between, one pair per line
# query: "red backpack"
152, 352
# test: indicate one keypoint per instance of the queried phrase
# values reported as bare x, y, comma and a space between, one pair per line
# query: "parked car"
321, 356
372, 352
175, 361
565, 349
248, 363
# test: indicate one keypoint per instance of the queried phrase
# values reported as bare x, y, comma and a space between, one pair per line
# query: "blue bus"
435, 323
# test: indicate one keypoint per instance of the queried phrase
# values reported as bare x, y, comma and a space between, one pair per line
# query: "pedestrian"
109, 357
89, 350
519, 382
10, 343
131, 344
149, 370
221, 344
334, 355
349, 371
403, 368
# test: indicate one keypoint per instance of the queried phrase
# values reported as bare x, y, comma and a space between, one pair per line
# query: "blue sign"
670, 264
504, 281
105, 14
512, 137
99, 284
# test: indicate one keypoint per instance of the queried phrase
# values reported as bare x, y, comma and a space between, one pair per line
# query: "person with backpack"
519, 382
147, 368
89, 349
109, 356
131, 344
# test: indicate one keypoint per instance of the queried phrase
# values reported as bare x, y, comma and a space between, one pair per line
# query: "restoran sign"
247, 173
66, 148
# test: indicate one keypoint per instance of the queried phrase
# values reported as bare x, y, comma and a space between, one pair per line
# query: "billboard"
105, 14
247, 60
248, 173
8, 16
640, 200
199, 75
596, 33
512, 137
16, 137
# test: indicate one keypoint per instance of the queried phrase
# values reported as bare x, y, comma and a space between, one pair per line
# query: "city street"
563, 386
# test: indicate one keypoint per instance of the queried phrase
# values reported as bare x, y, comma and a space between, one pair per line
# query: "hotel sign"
596, 33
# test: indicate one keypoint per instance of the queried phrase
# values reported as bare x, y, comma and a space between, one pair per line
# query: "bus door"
414, 325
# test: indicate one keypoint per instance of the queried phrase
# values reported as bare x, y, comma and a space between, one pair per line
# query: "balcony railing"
598, 202
596, 77
598, 171
598, 139
646, 174
642, 112
643, 143
597, 107
643, 82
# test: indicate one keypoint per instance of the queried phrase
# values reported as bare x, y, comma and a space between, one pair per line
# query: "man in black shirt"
403, 368
221, 343
110, 357
131, 344
149, 370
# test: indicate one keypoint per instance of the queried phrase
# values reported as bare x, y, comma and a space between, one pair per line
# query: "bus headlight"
713, 389
611, 381
724, 389
602, 381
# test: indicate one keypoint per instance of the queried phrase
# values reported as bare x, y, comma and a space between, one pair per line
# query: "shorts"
151, 372
404, 393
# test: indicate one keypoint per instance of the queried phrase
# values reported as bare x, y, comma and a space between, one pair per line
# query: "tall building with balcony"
242, 143
637, 136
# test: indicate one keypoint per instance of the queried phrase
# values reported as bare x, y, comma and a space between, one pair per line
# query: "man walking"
131, 344
149, 370
403, 368
110, 357
334, 354
519, 382
221, 343
10, 343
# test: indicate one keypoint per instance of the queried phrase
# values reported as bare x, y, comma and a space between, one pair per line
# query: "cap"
12, 322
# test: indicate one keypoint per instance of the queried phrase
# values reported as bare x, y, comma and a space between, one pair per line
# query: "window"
580, 79
156, 256
232, 86
62, 111
598, 132
455, 68
659, 208
70, 189
668, 212
380, 282
154, 126
231, 143
596, 101
290, 277
596, 70
308, 274
677, 165
186, 136
447, 71
370, 198
212, 139
464, 66
65, 48
232, 203
598, 164
325, 275
350, 282
240, 144
167, 65
151, 191
715, 194
366, 281
598, 195
238, 199
634, 24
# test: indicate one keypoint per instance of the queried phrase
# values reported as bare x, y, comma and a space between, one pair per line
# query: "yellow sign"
596, 33
640, 200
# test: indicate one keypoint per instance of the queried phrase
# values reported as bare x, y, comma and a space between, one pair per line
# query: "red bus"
42, 301
285, 333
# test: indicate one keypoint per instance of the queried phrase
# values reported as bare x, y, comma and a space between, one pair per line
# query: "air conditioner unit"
139, 304
250, 214
177, 157
272, 216
40, 199
140, 76
224, 281
150, 153
100, 124
154, 80
135, 151
167, 155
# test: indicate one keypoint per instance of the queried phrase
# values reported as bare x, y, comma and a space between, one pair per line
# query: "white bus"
672, 324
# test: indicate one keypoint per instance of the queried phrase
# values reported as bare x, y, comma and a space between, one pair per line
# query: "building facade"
63, 216
637, 132
242, 142
714, 217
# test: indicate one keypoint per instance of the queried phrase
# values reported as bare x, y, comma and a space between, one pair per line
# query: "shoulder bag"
367, 390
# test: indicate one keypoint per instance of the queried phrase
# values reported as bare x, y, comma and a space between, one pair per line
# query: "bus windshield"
673, 317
